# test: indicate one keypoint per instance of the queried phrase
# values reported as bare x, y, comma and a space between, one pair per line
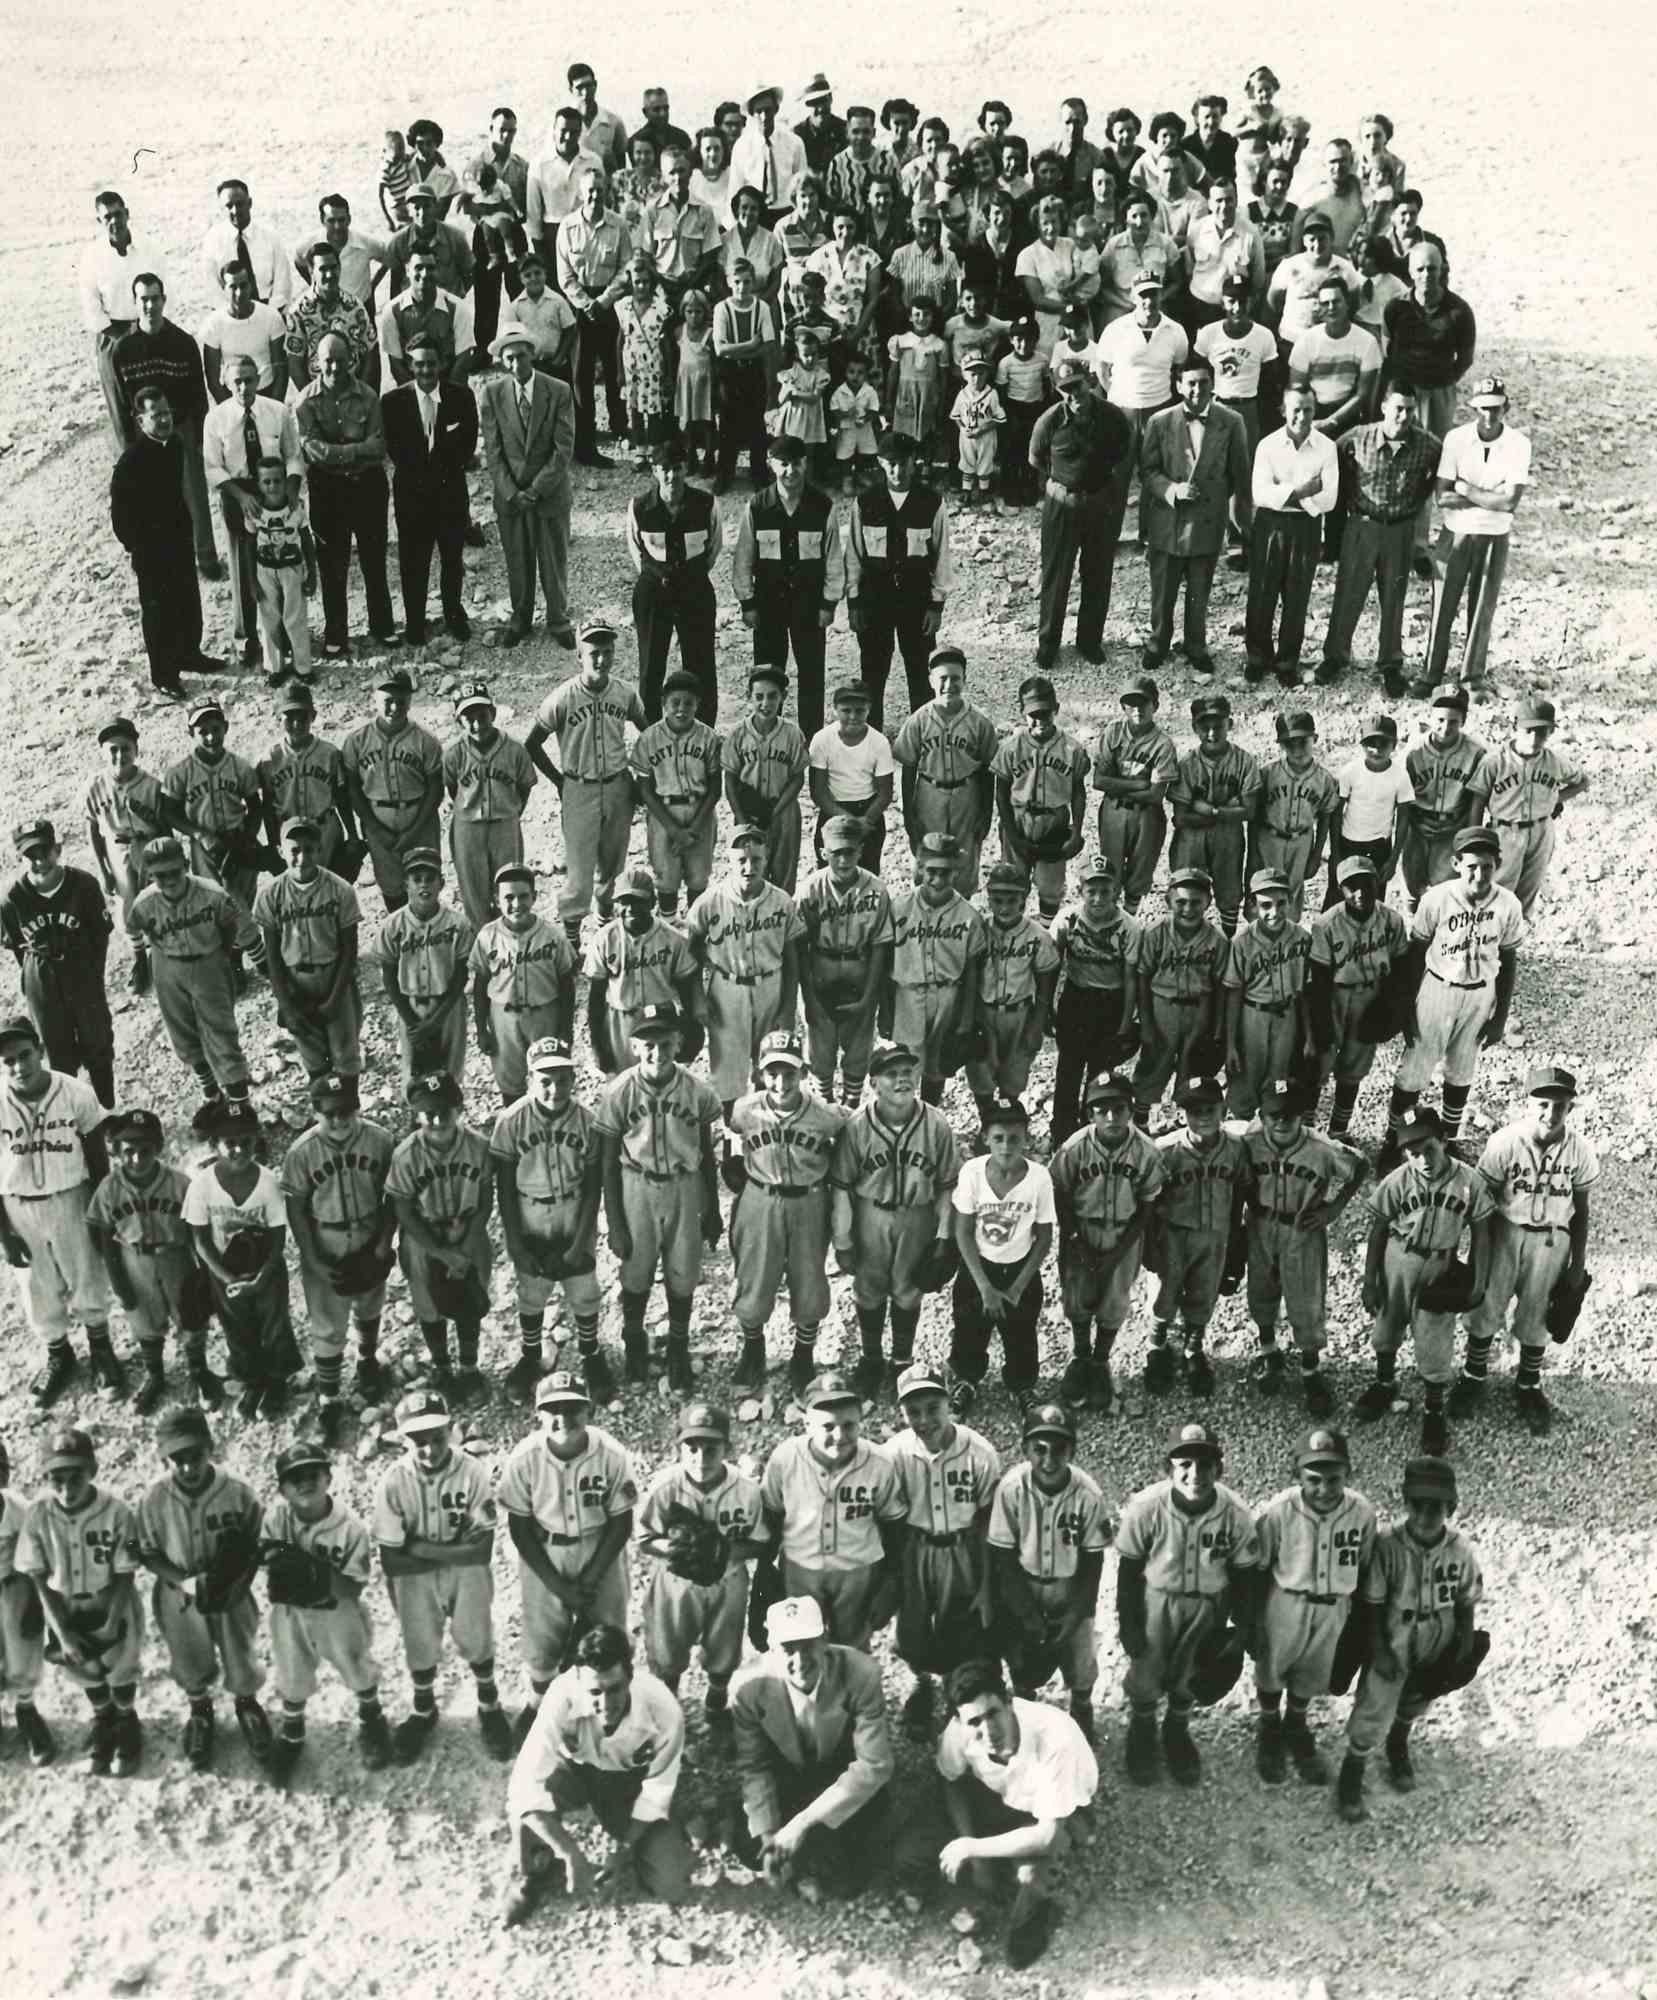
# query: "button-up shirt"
1388, 478
340, 430
1280, 465
647, 1743
591, 257
547, 320
1141, 361
605, 134
273, 275
450, 248
1214, 254
224, 439
1082, 451
447, 319
363, 260
770, 169
1430, 349
554, 188
848, 178
682, 234
1122, 260
106, 280
310, 319
512, 176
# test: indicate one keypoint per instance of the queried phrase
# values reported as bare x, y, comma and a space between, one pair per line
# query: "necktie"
244, 259
428, 416
250, 443
768, 180
523, 405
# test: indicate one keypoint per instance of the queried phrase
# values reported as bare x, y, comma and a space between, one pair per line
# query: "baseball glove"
733, 1171
464, 1300
295, 1576
693, 1038
1352, 1651
1437, 1678
1565, 1303
350, 858
360, 1271
1386, 1013
963, 1045
244, 1255
233, 1564
1048, 841
1205, 1056
697, 1550
766, 1588
939, 1264
1031, 1651
1450, 1292
1218, 1664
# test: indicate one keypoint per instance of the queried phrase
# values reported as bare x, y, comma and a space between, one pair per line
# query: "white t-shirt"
209, 1205
1371, 798
253, 335
1237, 359
1141, 368
852, 767
1505, 461
1004, 1225
1051, 1774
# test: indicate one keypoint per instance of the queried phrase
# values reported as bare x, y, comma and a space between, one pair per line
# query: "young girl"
802, 392
693, 384
855, 406
915, 379
642, 315
1258, 124
1022, 380
396, 178
978, 415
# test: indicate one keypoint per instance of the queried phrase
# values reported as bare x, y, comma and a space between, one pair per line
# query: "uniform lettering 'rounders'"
587, 891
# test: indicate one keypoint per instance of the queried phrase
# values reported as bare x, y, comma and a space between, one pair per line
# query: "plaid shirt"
1385, 479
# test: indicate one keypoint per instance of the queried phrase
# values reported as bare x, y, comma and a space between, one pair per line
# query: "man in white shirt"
602, 132
555, 183
1296, 483
1217, 246
1292, 294
236, 435
239, 239
767, 158
108, 267
363, 260
1135, 359
1482, 475
243, 326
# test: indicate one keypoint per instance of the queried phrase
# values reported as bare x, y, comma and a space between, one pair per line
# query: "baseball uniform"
740, 941
61, 941
1313, 1563
1424, 1220
1051, 1532
1418, 1591
1289, 1266
1099, 1189
45, 1185
220, 801
1442, 778
1016, 959
448, 1505
764, 764
340, 1184
935, 951
530, 977
1201, 1190
1188, 1559
22, 1653
661, 1133
1270, 973
780, 1224
191, 943
341, 1633
570, 1500
641, 972
840, 934
1233, 778
187, 1530
306, 782
398, 772
128, 816
943, 1612
1131, 836
1520, 796
1293, 805
684, 767
597, 792
1186, 974
949, 755
554, 1161
896, 1177
156, 1254
1532, 1188
1042, 780
1359, 957
490, 789
831, 1545
450, 1191
1465, 940
679, 1614
422, 955
314, 922
89, 1558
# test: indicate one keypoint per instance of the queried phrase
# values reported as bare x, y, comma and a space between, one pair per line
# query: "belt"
1275, 1214
744, 978
1269, 1006
522, 1007
894, 1207
1520, 825
1461, 985
1287, 832
1385, 520
560, 1541
575, 778
943, 1541
547, 1200
1314, 1597
154, 1249
46, 1195
647, 1174
1537, 1228
833, 951
1011, 1003
185, 957
1205, 1596
788, 1190
945, 784
1178, 999
1071, 496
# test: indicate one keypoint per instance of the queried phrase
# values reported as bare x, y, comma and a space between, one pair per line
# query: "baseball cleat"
1535, 1411
1179, 1753
150, 1391
38, 1739
198, 1742
129, 1743
254, 1724
750, 1368
496, 1732
1159, 1370
1466, 1394
1374, 1402
1199, 1374
520, 1379
1076, 1381
374, 1740
1270, 1760
1400, 1769
208, 1386
412, 1734
1141, 1754
60, 1370
1266, 1371
1320, 1398
600, 1377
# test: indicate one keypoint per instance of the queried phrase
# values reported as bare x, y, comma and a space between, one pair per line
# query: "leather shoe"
511, 632
475, 537
414, 635
170, 686
251, 652
595, 461
1094, 655
457, 625
562, 635
212, 570
204, 663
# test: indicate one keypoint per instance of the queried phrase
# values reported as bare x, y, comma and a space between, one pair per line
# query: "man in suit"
529, 435
814, 1754
1193, 463
431, 432
152, 522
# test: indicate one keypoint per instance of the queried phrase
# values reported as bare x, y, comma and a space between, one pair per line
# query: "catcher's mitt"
939, 1264
231, 1568
697, 1550
295, 1576
464, 1300
360, 1270
350, 858
1450, 1292
244, 1255
1437, 1678
766, 1588
1565, 1303
1218, 1663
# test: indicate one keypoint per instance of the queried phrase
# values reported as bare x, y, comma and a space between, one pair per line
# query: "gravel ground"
1523, 1864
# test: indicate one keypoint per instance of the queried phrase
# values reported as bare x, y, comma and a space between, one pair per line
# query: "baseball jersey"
1233, 778
1050, 1531
209, 1205
1051, 1774
553, 1154
129, 812
1442, 778
1181, 965
947, 751
1293, 802
944, 1492
394, 768
186, 1529
935, 945
659, 1127
1465, 938
830, 1513
522, 968
447, 1188
423, 954
1200, 1183
70, 921
1370, 799
903, 1166
1305, 1175
741, 939
340, 1537
1521, 791
303, 781
1100, 961
1106, 1186
40, 1138
311, 919
447, 1505
787, 1149
148, 1217
1424, 1214
11, 1526
1421, 1583
1534, 1186
79, 1555
643, 971
341, 1184
843, 929
1321, 1555
1138, 756
1187, 1555
591, 725
682, 764
733, 1505
648, 1743
492, 784
1358, 954
572, 1498
201, 920
1041, 777
765, 763
217, 797
1268, 969
1014, 960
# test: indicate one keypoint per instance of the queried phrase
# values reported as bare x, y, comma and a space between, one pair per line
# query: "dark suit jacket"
417, 470
851, 1735
1222, 473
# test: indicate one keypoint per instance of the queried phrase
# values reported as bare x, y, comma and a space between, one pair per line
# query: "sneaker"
1199, 1374
750, 1368
918, 1711
198, 1740
521, 1378
679, 1377
1466, 1394
273, 1397
496, 1732
1375, 1402
110, 1370
150, 1391
1435, 1434
1159, 1370
600, 1378
140, 978
1141, 1756
129, 1743
60, 1370
374, 1740
100, 1743
1309, 1760
1266, 1371
802, 1365
1031, 1935
39, 1741
411, 1735
1081, 1713
1535, 1411
1270, 1759
962, 1398
1102, 1392
1179, 1753
1076, 1381
1320, 1398
254, 1724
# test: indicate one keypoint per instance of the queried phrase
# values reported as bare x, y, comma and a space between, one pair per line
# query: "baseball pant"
1088, 1290
1079, 531
969, 1351
478, 847
388, 845
329, 1313
1404, 1272
1175, 1627
64, 1278
450, 1040
1085, 1023
1526, 853
535, 541
70, 1008
1169, 573
598, 817
1300, 1640
679, 1616
888, 1245
1283, 561
1378, 553
461, 1599
330, 1041
1078, 1658
1524, 1267
427, 521
549, 1223
1047, 877
198, 1644
838, 1032
664, 1219
209, 857
1427, 856
549, 1625
1190, 1267
417, 1263
162, 1282
1289, 1268
1219, 851
1473, 569
1292, 853
1177, 1024
1349, 1057
941, 1614
258, 1328
115, 1630
1380, 1701
1435, 410
169, 610
958, 810
774, 1235
786, 624
891, 620
782, 846
662, 1858
1015, 1034
739, 1017
1130, 838
301, 1640
349, 507
675, 867
681, 604
279, 597
514, 1029
22, 1655
1268, 1040
978, 455
1448, 1020
846, 1597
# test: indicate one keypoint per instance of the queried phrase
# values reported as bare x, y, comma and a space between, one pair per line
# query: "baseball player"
1106, 1182
569, 1493
434, 1521
1298, 1185
1041, 777
765, 760
1265, 994
1315, 1539
523, 979
213, 799
1004, 1223
1418, 1216
661, 1187
1179, 964
1215, 796
589, 713
1047, 1536
938, 942
56, 924
1205, 1169
1440, 768
488, 777
1017, 976
394, 770
303, 777
1134, 763
1187, 1556
681, 1613
676, 763
424, 952
334, 1184
79, 1544
1519, 791
22, 1656
1093, 1015
1355, 950
1296, 802
834, 1507
845, 960
1464, 958
189, 928
946, 750
124, 813
894, 1174
308, 919
1539, 1170
442, 1189
744, 935
136, 1217
1418, 1589
307, 1514
949, 1475
651, 965
780, 1220
189, 1521
547, 1183
52, 1157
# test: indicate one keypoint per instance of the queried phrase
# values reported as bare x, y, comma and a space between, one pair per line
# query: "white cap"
792, 1618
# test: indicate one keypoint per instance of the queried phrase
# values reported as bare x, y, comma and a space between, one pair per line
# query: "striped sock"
293, 1722
1530, 1368
1346, 1102
1400, 1102
586, 1333
489, 1696
1477, 1365
329, 1369
368, 1704
425, 1690
368, 1339
1455, 1106
208, 1081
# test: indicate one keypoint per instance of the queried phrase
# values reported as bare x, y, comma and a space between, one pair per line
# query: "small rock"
675, 1950
748, 1410
964, 1923
968, 1956
133, 1977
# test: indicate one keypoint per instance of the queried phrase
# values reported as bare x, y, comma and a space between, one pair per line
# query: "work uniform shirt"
553, 1154
1312, 1553
1187, 1555
790, 1149
1050, 1531
897, 1166
1465, 939
1532, 1186
831, 1513
522, 968
660, 1128
945, 1492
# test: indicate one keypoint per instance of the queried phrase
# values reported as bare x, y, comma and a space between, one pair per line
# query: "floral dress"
851, 282
643, 362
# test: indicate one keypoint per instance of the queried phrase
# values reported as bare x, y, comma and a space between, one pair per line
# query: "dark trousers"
742, 417
244, 592
868, 854
1283, 560
686, 607
428, 520
1018, 474
844, 1858
1087, 1036
169, 604
347, 508
487, 286
1474, 568
786, 623
890, 618
597, 346
1077, 531
1378, 553
1168, 573
969, 1350
1377, 852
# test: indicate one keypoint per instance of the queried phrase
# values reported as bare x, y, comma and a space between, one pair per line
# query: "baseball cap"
1147, 281
1294, 722
334, 1089
1378, 725
843, 834
1323, 1446
32, 833
549, 1052
1209, 704
1191, 878
1550, 1081
1430, 1479
561, 1388
514, 871
234, 1117
1282, 1098
1356, 867
435, 1091
656, 1021
1074, 314
1107, 1089
297, 700
945, 656
475, 696
1099, 869
425, 860
792, 1619
781, 1045
1069, 368
114, 731
746, 835
1536, 710
398, 681
597, 632
1268, 878
977, 357
883, 1056
421, 1410
69, 1447
201, 712
1450, 694
829, 1389
918, 1379
1049, 1420
302, 1455
18, 1028
1003, 1111
1234, 285
681, 683
186, 1426
300, 823
1488, 389
852, 691
1478, 840
140, 1123
638, 885
1199, 1090
895, 445
1418, 1123
703, 1420
1314, 219
938, 847
1036, 691
163, 850
1140, 687
1194, 1440
1007, 875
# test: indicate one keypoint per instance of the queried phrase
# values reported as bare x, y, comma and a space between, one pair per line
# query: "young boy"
284, 574
744, 935
676, 763
442, 1189
845, 960
1179, 965
523, 979
1355, 948
1315, 1538
946, 749
303, 777
22, 1656
306, 1514
1205, 1170
1134, 763
194, 1521
1441, 768
394, 770
1186, 1556
434, 1521
1419, 1588
1265, 992
938, 941
1016, 979
55, 923
636, 960
1215, 795
1240, 351
744, 345
973, 328
1373, 814
1004, 1222
1519, 791
1298, 800
124, 813
79, 1545
1022, 380
213, 799
424, 952
765, 760
852, 773
1094, 1012
1047, 1537
855, 409
489, 778
1041, 777
978, 417
308, 921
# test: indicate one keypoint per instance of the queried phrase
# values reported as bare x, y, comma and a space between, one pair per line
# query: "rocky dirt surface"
1523, 1865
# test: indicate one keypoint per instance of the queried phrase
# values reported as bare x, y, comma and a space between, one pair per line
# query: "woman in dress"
853, 278
1053, 273
710, 184
635, 187
748, 237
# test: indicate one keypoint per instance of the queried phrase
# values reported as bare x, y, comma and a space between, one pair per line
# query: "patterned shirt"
310, 319
1388, 479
